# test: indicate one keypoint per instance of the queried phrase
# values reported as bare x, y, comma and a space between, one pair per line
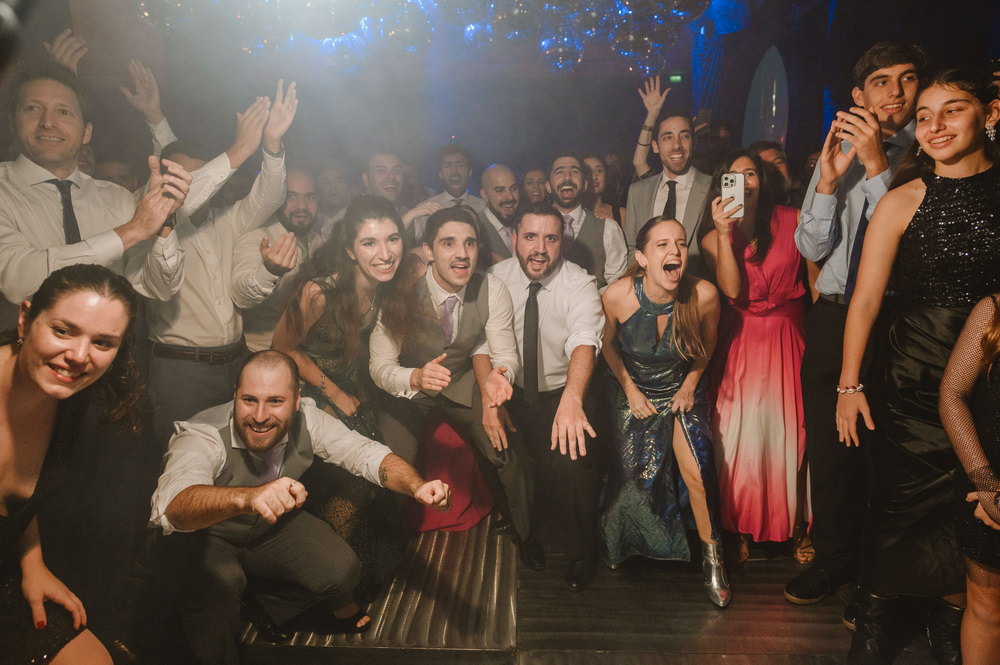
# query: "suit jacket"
640, 210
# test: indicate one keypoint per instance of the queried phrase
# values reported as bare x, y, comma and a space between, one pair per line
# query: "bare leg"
981, 623
84, 649
696, 489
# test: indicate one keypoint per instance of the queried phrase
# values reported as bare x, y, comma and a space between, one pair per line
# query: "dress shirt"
205, 182
446, 200
260, 294
197, 455
569, 315
829, 222
33, 243
684, 183
203, 313
615, 251
498, 334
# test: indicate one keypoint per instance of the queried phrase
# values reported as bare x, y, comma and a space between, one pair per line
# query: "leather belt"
836, 298
219, 356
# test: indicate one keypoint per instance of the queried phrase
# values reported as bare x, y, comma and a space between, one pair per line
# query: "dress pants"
507, 473
567, 489
294, 565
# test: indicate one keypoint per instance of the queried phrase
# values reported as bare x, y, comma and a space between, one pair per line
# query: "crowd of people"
647, 361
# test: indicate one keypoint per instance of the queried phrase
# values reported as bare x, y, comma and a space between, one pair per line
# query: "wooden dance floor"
460, 598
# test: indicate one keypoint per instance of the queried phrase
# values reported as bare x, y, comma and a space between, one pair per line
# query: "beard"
257, 442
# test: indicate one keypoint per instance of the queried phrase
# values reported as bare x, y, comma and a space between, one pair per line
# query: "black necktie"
859, 241
531, 344
70, 228
670, 207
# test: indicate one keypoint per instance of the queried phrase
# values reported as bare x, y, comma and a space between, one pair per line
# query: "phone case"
732, 186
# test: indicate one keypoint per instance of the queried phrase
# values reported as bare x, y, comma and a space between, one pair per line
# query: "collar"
546, 281
905, 136
438, 294
681, 180
34, 174
576, 213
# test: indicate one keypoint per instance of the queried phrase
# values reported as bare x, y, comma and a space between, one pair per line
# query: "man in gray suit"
679, 192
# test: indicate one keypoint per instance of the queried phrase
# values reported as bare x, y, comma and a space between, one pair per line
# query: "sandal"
737, 547
802, 547
348, 625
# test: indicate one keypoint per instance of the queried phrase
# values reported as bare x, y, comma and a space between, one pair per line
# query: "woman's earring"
991, 131
919, 150
20, 342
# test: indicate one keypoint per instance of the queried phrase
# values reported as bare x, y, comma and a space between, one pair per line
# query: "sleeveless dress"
645, 509
21, 642
947, 262
757, 419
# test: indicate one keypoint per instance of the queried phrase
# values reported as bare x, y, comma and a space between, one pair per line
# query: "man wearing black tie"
558, 322
679, 193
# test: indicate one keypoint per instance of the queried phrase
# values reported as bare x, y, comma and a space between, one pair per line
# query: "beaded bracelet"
850, 390
644, 145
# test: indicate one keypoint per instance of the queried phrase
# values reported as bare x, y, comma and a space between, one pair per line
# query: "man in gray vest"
232, 475
434, 370
498, 187
680, 191
596, 245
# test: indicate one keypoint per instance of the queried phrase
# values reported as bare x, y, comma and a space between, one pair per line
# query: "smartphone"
732, 186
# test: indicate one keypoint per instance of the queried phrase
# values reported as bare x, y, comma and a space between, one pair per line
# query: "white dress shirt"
197, 455
569, 315
205, 182
683, 191
446, 200
615, 251
498, 334
33, 243
203, 313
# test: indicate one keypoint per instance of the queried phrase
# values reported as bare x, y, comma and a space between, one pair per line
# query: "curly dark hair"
121, 387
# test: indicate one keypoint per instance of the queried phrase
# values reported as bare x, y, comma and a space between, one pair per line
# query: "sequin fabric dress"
947, 261
645, 507
20, 642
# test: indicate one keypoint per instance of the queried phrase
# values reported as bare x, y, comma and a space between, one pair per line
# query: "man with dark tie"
596, 245
853, 173
499, 190
437, 367
679, 193
558, 322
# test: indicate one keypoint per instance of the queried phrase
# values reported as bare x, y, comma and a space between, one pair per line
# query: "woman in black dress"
73, 342
938, 233
970, 412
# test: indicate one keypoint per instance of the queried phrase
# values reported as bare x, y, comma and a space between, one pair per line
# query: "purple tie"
568, 234
448, 318
269, 465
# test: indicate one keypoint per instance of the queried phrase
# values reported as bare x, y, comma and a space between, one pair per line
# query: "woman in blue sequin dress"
659, 334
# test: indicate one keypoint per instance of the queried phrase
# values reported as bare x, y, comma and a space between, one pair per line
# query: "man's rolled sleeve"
195, 457
155, 267
335, 443
252, 282
383, 364
499, 329
584, 318
206, 183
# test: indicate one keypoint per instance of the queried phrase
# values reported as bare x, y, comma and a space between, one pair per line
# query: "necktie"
456, 202
269, 465
448, 318
859, 241
670, 207
568, 234
70, 227
507, 236
531, 344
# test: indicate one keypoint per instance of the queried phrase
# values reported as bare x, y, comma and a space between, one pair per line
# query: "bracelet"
322, 383
649, 127
280, 153
850, 390
644, 145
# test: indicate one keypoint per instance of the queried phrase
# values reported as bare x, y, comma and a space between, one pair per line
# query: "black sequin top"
949, 255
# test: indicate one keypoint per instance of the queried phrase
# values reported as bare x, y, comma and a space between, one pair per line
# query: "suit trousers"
568, 489
294, 565
402, 422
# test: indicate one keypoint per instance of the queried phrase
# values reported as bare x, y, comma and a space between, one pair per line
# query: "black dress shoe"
267, 630
581, 573
875, 640
532, 555
501, 526
811, 586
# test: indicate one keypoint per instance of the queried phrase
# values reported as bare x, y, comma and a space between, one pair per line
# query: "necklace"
371, 302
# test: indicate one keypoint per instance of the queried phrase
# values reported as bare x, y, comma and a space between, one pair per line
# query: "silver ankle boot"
716, 582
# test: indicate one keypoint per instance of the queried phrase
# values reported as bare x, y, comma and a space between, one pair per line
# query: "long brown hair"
121, 387
332, 259
765, 203
685, 333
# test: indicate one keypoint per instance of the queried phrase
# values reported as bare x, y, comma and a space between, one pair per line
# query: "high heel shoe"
716, 582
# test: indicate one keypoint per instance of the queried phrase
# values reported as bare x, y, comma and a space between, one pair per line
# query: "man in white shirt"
197, 335
437, 367
596, 245
499, 190
679, 192
232, 476
454, 169
558, 322
263, 271
51, 215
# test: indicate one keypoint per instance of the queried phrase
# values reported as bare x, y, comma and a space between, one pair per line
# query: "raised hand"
280, 119
833, 162
249, 129
652, 97
722, 215
67, 49
146, 98
861, 128
282, 256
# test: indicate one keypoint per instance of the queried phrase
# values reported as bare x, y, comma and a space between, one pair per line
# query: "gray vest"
494, 241
243, 470
587, 250
426, 341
